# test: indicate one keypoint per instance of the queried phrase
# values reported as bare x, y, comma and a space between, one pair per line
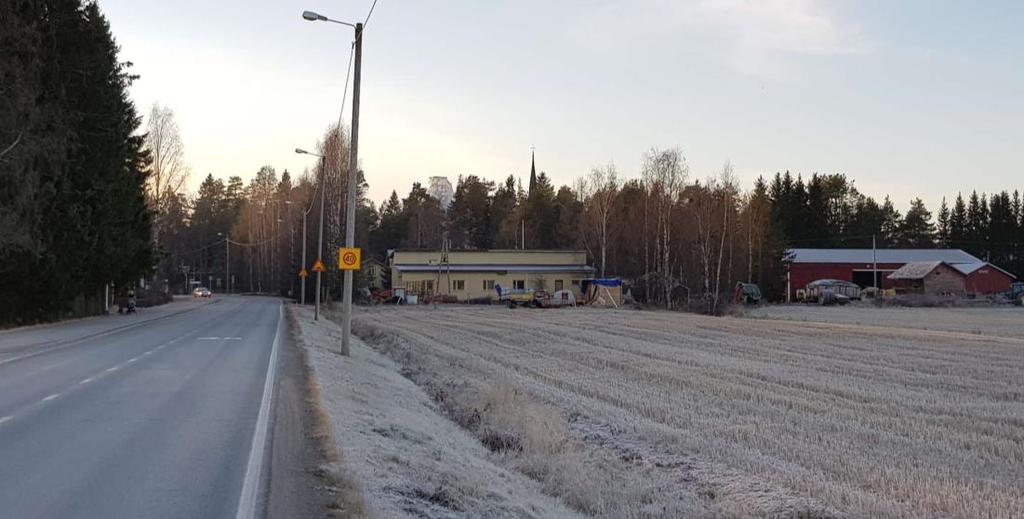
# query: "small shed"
936, 278
983, 278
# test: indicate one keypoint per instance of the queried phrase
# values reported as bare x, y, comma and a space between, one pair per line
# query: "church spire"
533, 170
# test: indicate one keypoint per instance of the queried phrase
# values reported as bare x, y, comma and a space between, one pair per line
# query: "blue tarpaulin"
609, 282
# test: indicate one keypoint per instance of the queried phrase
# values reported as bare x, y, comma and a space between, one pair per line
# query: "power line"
218, 242
367, 21
344, 93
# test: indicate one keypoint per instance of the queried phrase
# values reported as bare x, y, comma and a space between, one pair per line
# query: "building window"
488, 284
519, 284
428, 286
459, 284
558, 285
576, 283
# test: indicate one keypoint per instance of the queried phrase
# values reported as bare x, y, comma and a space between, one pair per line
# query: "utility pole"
302, 289
320, 242
874, 263
350, 200
227, 261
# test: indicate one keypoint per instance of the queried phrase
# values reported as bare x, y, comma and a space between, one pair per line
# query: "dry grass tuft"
533, 438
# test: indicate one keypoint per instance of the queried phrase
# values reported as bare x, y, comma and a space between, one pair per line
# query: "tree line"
89, 198
682, 242
73, 213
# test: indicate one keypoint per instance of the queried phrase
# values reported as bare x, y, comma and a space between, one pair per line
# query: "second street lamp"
320, 240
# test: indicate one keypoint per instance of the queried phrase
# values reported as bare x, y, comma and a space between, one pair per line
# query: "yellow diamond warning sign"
348, 258
318, 266
303, 273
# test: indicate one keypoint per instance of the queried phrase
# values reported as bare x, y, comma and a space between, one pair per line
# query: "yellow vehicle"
514, 297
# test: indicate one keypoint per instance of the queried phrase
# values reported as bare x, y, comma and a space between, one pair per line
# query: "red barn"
857, 266
985, 278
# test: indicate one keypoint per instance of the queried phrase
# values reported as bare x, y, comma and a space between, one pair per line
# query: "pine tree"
503, 215
1002, 229
392, 227
540, 215
942, 230
469, 216
98, 209
916, 231
976, 225
892, 223
959, 231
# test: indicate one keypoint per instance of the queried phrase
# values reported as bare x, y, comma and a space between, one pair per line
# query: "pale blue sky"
909, 98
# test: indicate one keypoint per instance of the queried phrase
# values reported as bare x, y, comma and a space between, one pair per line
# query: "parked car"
1016, 293
202, 292
747, 293
816, 290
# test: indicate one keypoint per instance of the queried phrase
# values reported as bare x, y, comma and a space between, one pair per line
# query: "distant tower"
533, 170
441, 189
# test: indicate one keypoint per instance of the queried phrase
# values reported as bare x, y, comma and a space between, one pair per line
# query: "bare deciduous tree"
664, 176
168, 171
598, 190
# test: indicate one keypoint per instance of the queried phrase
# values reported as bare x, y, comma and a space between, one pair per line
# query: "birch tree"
598, 190
168, 170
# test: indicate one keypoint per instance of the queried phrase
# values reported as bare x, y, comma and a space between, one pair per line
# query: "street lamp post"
302, 298
227, 261
353, 164
320, 239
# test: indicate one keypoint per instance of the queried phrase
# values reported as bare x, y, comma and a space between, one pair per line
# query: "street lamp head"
313, 17
300, 150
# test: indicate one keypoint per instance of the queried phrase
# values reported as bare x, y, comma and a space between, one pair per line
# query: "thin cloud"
766, 36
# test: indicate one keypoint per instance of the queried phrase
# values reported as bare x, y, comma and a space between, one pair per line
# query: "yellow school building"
473, 275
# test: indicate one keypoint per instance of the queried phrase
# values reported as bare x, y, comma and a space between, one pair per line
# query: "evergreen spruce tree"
958, 225
916, 229
942, 230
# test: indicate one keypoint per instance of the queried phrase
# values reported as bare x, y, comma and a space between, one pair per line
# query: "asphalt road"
141, 418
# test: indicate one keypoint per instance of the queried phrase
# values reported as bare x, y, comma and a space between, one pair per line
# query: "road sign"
349, 258
318, 266
303, 273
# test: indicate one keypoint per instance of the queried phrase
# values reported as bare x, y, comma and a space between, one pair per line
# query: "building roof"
970, 268
951, 256
918, 270
522, 251
585, 269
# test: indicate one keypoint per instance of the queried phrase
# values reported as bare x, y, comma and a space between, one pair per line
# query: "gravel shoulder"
395, 448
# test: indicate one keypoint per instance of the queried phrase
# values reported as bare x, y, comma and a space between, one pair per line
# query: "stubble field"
624, 413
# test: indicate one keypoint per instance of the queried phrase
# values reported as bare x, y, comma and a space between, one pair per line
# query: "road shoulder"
301, 483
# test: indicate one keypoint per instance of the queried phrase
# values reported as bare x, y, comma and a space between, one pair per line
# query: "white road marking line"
147, 353
51, 397
86, 381
209, 338
113, 368
133, 359
249, 499
5, 418
232, 338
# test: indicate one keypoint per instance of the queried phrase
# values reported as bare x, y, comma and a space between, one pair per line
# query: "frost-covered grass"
391, 453
1001, 320
737, 417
